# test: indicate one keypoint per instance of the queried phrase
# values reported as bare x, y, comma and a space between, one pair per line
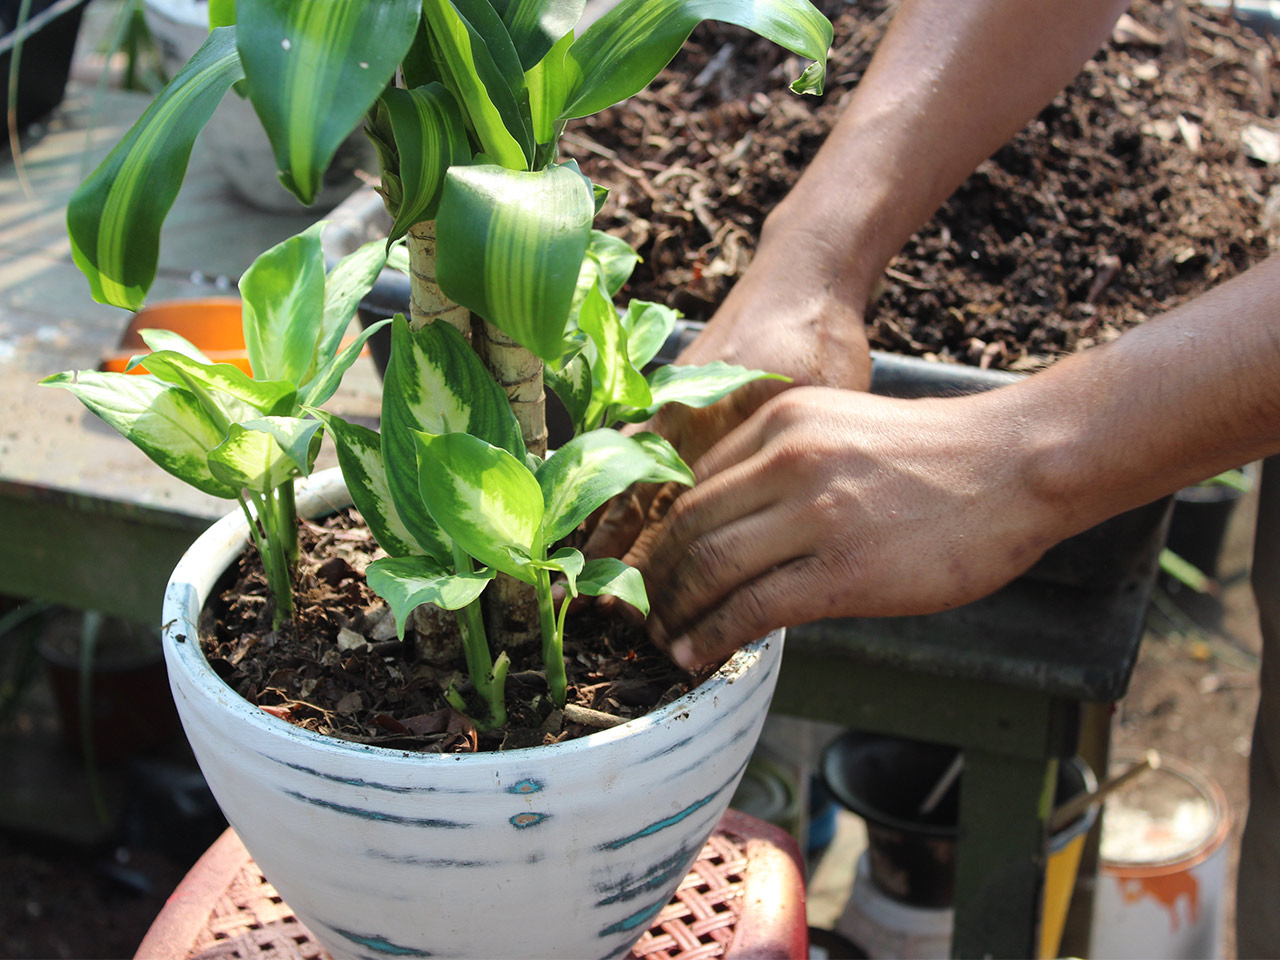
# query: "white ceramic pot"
564, 851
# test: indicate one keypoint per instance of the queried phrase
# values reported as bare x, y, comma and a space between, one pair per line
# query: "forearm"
1172, 402
949, 84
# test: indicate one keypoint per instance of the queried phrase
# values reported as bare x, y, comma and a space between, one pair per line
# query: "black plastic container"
48, 43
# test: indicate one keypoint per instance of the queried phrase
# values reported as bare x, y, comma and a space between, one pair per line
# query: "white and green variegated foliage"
600, 375
237, 436
458, 95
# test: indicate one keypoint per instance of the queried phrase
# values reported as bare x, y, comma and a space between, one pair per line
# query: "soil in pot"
338, 668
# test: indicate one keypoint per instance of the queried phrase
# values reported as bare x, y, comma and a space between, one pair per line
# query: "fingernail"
682, 653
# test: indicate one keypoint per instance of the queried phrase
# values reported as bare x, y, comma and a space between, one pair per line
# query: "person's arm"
835, 503
949, 84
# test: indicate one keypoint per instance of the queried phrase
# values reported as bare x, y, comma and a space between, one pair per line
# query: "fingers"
783, 596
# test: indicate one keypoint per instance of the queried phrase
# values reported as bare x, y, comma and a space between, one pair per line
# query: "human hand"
835, 503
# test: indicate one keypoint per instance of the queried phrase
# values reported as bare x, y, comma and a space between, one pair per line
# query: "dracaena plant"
240, 437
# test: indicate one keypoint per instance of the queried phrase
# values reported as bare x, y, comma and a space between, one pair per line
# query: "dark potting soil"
338, 668
1152, 177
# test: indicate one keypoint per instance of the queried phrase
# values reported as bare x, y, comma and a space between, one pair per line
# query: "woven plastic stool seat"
744, 898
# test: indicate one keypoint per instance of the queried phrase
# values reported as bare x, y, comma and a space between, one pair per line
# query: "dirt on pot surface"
338, 667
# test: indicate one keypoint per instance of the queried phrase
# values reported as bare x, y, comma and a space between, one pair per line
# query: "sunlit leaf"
283, 293
406, 583
297, 437
607, 575
694, 386
251, 459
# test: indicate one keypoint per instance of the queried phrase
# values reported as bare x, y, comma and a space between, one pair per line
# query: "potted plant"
465, 101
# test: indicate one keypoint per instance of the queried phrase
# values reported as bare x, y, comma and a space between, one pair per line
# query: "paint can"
1163, 867
889, 929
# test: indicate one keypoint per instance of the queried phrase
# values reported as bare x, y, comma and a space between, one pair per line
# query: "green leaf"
536, 25
406, 583
160, 340
430, 136
511, 248
114, 217
298, 438
648, 326
467, 67
435, 383
251, 459
485, 499
360, 457
566, 561
619, 54
595, 466
615, 578
164, 421
1185, 572
313, 67
617, 261
667, 463
222, 13
694, 386
283, 295
345, 286
615, 381
227, 394
548, 85
572, 384
325, 383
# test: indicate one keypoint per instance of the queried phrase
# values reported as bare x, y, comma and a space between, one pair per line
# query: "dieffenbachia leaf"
536, 25
466, 60
567, 562
572, 384
164, 421
312, 69
626, 48
595, 466
222, 13
299, 438
406, 583
608, 575
615, 381
251, 459
435, 383
694, 386
616, 260
511, 246
345, 286
325, 383
114, 217
360, 457
282, 294
648, 326
548, 84
429, 137
485, 499
159, 340
227, 394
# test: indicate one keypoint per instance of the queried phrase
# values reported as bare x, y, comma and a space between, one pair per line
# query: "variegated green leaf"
615, 381
164, 421
282, 295
484, 499
665, 460
617, 579
616, 259
536, 25
435, 383
567, 562
429, 137
312, 68
225, 391
572, 384
511, 248
497, 112
299, 438
406, 583
548, 84
595, 466
250, 459
698, 386
360, 457
222, 13
114, 217
648, 326
159, 340
626, 48
325, 383
345, 286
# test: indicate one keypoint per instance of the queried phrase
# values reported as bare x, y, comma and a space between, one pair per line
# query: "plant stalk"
489, 681
427, 303
552, 641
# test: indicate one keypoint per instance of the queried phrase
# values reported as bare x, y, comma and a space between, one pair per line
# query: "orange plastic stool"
744, 898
